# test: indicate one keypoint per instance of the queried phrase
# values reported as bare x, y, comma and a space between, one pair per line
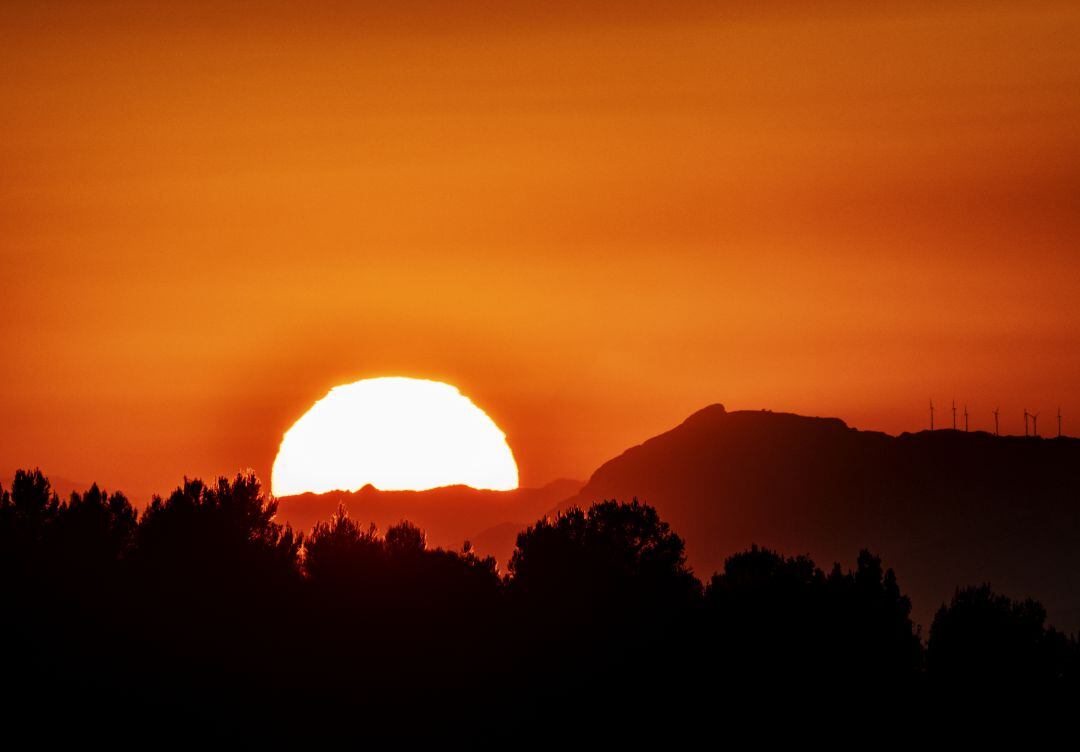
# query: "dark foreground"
203, 607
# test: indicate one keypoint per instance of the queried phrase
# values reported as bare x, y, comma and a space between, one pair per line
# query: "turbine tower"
931, 414
996, 432
954, 415
965, 419
1026, 414
1035, 424
1059, 422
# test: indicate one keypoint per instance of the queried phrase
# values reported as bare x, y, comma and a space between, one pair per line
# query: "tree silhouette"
96, 528
199, 523
28, 593
988, 641
871, 622
776, 617
611, 555
422, 612
341, 551
209, 572
405, 539
601, 595
59, 572
188, 607
26, 513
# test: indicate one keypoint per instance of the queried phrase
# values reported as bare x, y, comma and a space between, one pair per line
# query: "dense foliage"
204, 602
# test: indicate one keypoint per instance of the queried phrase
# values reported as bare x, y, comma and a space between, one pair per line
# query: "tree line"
203, 601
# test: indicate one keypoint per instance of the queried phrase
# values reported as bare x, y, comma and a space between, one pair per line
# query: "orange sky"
592, 222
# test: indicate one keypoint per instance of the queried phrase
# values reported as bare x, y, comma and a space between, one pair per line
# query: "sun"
397, 434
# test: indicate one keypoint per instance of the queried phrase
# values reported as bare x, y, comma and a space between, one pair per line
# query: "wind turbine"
1059, 422
996, 432
954, 415
965, 419
931, 414
1026, 414
1035, 424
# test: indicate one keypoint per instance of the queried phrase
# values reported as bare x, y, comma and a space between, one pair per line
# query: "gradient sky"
593, 222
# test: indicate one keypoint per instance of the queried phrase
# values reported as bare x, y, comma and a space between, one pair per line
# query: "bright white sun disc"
395, 433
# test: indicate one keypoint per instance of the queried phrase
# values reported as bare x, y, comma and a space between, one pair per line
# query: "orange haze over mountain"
591, 221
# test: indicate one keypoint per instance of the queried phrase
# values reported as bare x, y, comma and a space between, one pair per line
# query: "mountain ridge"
449, 515
944, 508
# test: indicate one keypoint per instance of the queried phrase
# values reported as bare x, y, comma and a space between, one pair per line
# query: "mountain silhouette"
944, 508
449, 515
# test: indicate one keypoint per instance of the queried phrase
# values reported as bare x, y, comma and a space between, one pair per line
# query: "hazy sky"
592, 222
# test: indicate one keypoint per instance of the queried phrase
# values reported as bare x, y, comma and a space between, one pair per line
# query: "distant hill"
448, 515
943, 508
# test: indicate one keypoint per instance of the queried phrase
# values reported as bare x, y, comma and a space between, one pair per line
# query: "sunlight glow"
396, 434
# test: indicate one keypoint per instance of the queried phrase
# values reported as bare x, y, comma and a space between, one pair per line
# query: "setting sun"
395, 434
